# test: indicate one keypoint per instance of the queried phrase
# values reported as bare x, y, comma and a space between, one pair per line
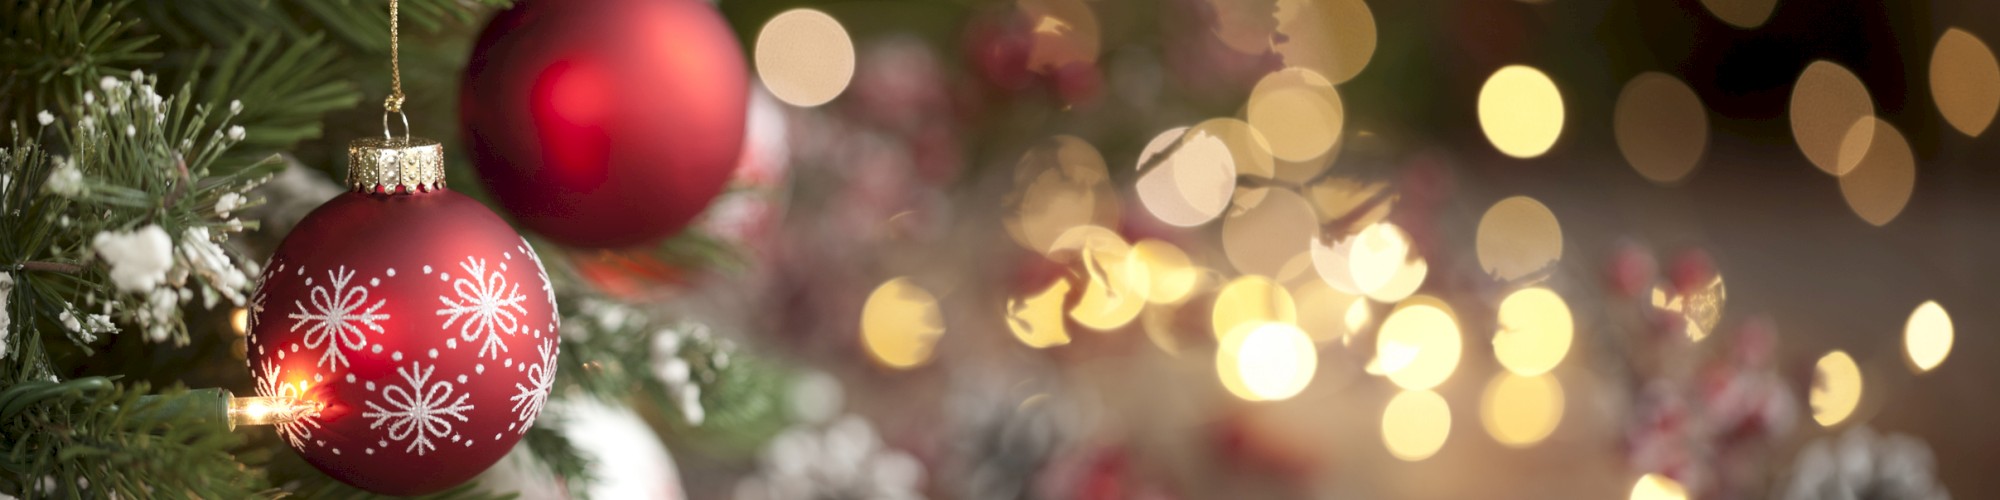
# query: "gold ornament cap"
383, 164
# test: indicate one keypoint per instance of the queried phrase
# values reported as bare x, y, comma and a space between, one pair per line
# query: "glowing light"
1836, 389
1244, 27
1744, 14
1037, 320
1249, 300
900, 324
1248, 149
1116, 284
1927, 336
1408, 278
1207, 161
1298, 111
271, 410
1327, 314
239, 321
1416, 424
1518, 237
1333, 37
1880, 180
1661, 127
1658, 487
1338, 197
1375, 255
1418, 346
1965, 81
1535, 331
1061, 185
1827, 101
1065, 33
1172, 275
804, 57
1266, 361
1702, 308
1521, 111
1520, 411
1269, 232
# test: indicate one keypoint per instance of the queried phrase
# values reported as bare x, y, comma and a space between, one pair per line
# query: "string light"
270, 410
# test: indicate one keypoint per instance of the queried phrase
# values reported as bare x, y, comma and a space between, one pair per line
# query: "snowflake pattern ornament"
488, 304
409, 311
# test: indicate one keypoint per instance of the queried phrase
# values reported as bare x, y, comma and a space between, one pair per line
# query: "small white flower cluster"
845, 459
6, 326
87, 328
143, 262
66, 180
678, 374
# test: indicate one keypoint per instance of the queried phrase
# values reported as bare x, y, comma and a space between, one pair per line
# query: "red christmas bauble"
424, 325
605, 123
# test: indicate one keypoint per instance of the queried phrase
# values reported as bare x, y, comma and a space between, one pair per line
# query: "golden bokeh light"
1744, 14
1827, 101
1965, 81
1521, 111
1520, 411
239, 321
1249, 150
1327, 314
1330, 262
1172, 276
1249, 300
1333, 37
1661, 127
1065, 33
1836, 388
1037, 319
1375, 256
1883, 173
1519, 238
1159, 189
1269, 232
1115, 283
1927, 336
1415, 424
1658, 487
1338, 197
1244, 27
1404, 283
901, 323
1701, 308
1418, 346
804, 57
1298, 111
1059, 185
1535, 331
1266, 361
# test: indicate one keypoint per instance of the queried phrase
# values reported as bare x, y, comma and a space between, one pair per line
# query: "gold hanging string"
394, 104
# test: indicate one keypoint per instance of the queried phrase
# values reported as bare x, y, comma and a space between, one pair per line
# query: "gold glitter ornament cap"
384, 164
393, 165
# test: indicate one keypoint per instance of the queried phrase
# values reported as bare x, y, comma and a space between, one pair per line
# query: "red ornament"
421, 321
606, 123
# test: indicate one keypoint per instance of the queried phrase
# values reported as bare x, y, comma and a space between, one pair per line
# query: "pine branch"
51, 52
90, 437
555, 453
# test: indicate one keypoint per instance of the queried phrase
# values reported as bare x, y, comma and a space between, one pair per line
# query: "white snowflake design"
548, 287
417, 413
334, 317
299, 431
490, 302
529, 397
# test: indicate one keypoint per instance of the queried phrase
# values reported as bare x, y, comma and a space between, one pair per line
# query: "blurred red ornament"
627, 274
606, 123
1632, 269
1692, 270
421, 321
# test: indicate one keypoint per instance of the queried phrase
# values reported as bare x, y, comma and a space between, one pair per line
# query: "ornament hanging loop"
386, 135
